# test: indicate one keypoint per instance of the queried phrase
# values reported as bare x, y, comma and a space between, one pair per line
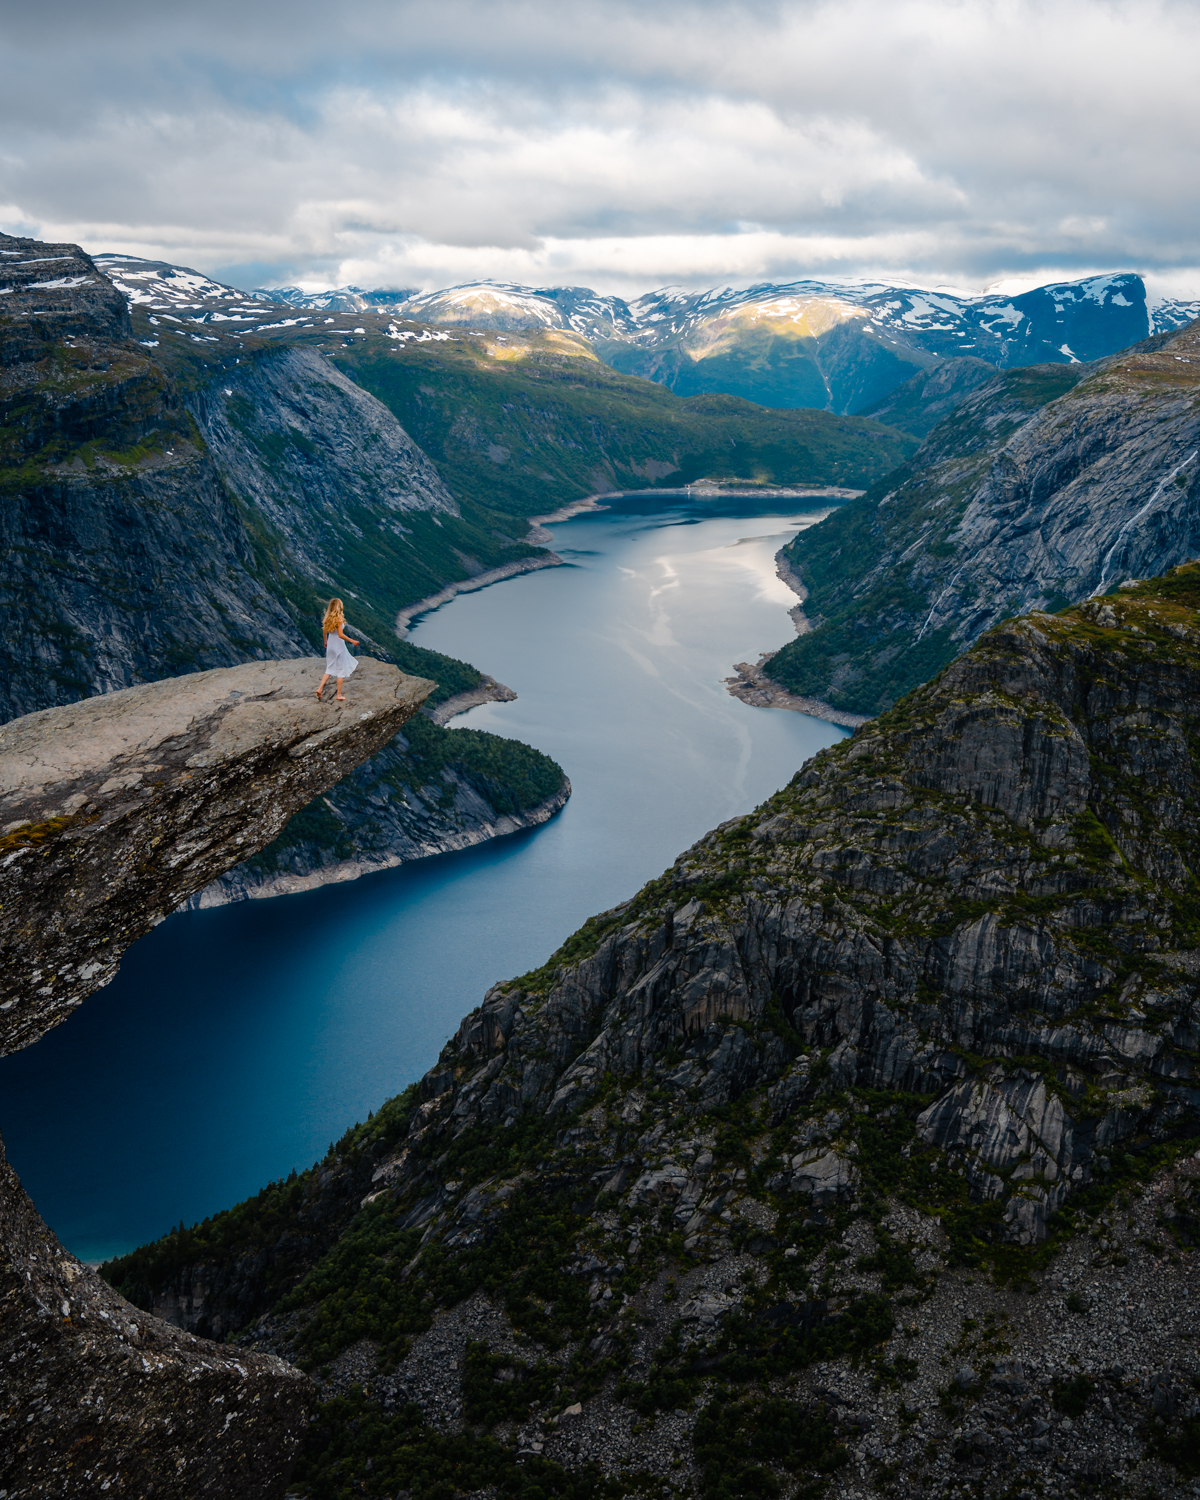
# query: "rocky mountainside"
115, 810
124, 555
1043, 486
840, 346
858, 1150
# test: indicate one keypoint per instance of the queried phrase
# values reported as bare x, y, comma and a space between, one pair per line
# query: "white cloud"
612, 144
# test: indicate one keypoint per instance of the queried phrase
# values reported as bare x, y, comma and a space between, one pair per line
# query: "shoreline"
488, 691
787, 574
468, 586
286, 883
752, 685
537, 524
706, 489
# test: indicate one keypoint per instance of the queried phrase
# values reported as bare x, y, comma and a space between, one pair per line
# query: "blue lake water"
236, 1043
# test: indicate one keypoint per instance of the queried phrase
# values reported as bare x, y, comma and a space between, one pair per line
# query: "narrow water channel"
236, 1043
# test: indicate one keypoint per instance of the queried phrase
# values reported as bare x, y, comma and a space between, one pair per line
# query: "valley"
856, 1150
832, 1131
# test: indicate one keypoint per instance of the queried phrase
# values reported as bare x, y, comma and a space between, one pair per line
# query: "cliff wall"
124, 554
113, 811
1043, 486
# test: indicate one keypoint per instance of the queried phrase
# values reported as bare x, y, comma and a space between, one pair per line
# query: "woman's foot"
340, 698
319, 699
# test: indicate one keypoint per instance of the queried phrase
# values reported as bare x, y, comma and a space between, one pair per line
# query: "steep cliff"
1043, 486
124, 556
803, 1139
113, 811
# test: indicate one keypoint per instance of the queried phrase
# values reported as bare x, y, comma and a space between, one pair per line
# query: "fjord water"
236, 1043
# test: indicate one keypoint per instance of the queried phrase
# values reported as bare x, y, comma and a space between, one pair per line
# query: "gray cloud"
610, 144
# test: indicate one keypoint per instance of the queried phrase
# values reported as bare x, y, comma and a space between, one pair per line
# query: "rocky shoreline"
468, 586
247, 883
753, 686
488, 691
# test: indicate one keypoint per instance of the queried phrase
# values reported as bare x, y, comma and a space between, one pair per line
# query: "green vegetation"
502, 1388
736, 1440
355, 1290
1178, 1443
511, 776
277, 1230
871, 645
1072, 1395
353, 1449
526, 435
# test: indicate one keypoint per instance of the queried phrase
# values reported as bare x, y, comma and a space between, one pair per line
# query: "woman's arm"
344, 636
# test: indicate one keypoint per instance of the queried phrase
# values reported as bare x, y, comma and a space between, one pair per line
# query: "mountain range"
836, 346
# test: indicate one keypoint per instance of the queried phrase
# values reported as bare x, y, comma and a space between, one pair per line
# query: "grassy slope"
541, 422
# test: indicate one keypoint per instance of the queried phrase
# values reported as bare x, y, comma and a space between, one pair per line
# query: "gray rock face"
992, 874
117, 809
1043, 487
97, 1397
113, 811
53, 292
311, 451
125, 557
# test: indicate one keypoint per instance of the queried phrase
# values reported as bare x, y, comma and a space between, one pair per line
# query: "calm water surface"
236, 1043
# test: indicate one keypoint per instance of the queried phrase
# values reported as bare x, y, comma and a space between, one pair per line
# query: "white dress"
338, 661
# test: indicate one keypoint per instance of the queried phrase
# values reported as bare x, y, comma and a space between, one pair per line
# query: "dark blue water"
236, 1043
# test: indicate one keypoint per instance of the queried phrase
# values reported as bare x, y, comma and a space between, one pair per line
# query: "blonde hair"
335, 615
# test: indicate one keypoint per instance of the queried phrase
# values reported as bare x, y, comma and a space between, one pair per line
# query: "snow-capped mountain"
179, 296
183, 294
838, 345
339, 299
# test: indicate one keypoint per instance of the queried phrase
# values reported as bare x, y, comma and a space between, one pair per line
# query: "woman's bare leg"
321, 689
341, 697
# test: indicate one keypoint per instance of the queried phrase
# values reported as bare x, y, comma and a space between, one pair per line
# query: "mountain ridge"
836, 345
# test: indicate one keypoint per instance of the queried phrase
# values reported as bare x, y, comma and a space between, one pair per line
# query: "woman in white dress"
338, 661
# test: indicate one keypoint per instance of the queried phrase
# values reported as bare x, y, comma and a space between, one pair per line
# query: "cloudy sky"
619, 144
